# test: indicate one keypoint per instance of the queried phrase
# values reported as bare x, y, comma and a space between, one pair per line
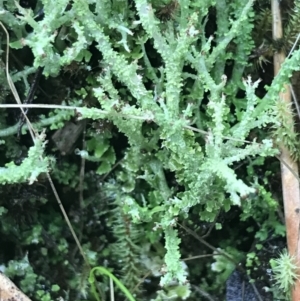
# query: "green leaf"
16, 45
104, 168
2, 210
55, 288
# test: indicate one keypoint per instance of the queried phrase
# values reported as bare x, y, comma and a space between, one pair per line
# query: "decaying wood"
66, 137
290, 184
9, 292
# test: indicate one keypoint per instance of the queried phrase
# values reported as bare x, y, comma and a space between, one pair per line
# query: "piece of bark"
9, 292
66, 137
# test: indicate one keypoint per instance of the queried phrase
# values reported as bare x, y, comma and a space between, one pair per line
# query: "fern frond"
127, 248
293, 27
263, 25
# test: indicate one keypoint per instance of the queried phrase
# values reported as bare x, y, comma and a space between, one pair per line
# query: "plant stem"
290, 184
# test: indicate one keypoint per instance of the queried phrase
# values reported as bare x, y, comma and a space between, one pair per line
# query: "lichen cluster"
175, 132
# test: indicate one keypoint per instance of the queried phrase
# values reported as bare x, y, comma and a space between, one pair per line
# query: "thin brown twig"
30, 97
72, 108
146, 117
111, 170
203, 293
141, 281
211, 227
199, 256
295, 100
184, 259
204, 242
206, 133
81, 188
221, 252
12, 85
35, 135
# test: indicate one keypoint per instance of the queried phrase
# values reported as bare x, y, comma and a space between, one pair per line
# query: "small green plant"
104, 271
285, 272
174, 122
